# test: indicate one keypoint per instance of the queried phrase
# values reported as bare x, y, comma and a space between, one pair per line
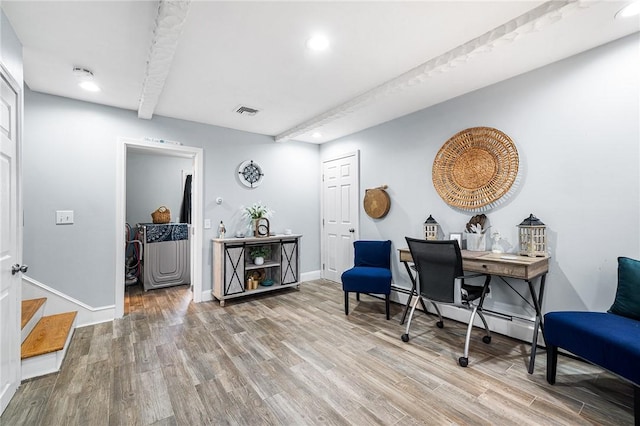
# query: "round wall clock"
250, 174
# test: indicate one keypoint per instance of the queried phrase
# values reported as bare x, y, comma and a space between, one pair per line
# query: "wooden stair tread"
29, 309
49, 335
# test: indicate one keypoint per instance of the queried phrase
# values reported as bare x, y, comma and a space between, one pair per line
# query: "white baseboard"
58, 302
310, 276
206, 296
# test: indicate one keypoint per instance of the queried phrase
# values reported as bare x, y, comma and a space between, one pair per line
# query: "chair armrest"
459, 285
476, 275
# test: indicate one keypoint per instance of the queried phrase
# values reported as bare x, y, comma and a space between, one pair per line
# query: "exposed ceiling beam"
533, 20
168, 27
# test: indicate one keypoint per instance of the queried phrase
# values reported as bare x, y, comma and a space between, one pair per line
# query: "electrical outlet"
64, 217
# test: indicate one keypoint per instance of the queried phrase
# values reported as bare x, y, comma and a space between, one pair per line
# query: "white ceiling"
386, 59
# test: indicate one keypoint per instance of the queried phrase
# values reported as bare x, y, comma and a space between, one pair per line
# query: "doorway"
340, 213
195, 245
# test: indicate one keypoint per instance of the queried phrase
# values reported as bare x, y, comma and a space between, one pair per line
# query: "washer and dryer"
166, 254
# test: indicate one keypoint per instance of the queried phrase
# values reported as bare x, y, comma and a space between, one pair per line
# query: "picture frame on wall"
456, 236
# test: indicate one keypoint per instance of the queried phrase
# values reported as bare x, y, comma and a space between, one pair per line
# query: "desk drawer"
487, 267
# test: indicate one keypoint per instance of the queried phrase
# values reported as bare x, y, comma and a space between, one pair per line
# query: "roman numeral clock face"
250, 174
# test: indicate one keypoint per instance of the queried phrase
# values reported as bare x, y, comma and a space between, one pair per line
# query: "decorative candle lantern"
431, 228
532, 236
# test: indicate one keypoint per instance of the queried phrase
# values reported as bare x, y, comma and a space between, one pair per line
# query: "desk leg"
537, 303
414, 292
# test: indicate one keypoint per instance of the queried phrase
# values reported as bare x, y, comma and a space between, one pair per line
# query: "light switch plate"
64, 217
207, 224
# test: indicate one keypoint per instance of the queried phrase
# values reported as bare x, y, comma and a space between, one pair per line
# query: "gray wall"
69, 164
153, 181
576, 126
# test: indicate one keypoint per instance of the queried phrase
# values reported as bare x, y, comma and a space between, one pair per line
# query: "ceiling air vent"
245, 110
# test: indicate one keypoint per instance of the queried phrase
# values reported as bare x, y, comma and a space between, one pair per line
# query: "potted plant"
258, 253
476, 229
254, 213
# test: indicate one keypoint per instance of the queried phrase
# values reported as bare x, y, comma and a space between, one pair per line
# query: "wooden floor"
294, 358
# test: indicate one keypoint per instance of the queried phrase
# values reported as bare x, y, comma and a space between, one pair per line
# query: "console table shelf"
232, 265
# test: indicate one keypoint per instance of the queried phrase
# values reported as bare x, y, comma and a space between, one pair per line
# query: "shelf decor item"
431, 228
532, 237
476, 169
258, 254
161, 215
476, 233
258, 215
377, 202
250, 174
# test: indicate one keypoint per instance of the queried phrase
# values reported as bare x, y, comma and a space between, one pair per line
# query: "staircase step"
49, 335
29, 309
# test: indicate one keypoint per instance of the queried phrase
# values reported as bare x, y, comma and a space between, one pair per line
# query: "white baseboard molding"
508, 326
310, 276
58, 302
206, 296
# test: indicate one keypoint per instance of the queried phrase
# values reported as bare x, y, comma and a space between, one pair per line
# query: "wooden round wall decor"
476, 169
377, 202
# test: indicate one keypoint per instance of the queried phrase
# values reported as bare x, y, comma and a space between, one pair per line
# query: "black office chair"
441, 281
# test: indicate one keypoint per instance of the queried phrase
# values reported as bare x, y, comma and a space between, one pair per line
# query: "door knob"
352, 230
17, 268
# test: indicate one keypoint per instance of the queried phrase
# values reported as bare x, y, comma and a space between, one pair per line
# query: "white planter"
476, 242
258, 260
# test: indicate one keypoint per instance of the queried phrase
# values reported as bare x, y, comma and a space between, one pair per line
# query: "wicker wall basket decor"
476, 169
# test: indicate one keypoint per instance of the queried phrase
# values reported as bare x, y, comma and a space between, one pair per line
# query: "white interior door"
340, 183
10, 242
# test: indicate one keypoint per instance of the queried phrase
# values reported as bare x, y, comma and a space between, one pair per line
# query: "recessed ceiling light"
89, 86
85, 78
632, 9
316, 135
318, 42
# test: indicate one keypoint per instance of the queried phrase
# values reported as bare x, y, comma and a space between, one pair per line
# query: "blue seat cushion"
608, 340
367, 279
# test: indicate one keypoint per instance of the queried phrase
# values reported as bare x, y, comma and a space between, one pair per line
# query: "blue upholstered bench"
610, 340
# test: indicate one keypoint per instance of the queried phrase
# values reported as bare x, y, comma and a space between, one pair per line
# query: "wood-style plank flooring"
294, 358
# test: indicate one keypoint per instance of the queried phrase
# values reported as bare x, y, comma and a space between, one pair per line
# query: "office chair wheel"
486, 339
440, 324
405, 337
463, 361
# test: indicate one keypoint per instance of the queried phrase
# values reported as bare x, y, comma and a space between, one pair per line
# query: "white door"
10, 243
340, 183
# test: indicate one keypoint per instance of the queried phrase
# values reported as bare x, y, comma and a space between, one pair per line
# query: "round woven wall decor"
476, 169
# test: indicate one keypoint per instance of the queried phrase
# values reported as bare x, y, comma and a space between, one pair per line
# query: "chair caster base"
440, 324
463, 361
405, 337
486, 339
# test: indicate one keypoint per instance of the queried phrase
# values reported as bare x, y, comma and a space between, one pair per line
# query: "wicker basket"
476, 168
161, 215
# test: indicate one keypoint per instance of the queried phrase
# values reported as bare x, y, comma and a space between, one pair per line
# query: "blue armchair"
371, 272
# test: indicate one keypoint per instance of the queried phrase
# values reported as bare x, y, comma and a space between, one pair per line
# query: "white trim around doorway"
196, 215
